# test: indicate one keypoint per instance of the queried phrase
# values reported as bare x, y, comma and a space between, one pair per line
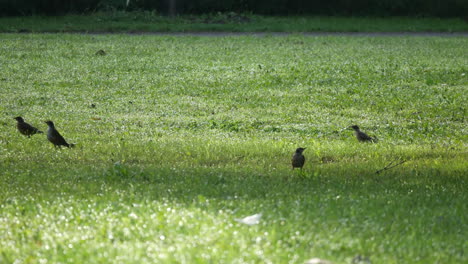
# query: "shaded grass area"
178, 136
225, 22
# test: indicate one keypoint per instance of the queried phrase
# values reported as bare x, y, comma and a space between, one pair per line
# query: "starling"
298, 159
25, 128
54, 136
361, 136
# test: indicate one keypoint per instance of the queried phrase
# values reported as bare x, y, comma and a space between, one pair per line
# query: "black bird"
361, 136
298, 159
54, 136
25, 128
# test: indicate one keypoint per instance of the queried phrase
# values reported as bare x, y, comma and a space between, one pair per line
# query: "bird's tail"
71, 145
39, 132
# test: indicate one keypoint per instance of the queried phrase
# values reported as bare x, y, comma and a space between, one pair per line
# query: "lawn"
178, 136
225, 22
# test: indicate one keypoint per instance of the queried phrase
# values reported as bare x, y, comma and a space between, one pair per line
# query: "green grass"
189, 133
228, 22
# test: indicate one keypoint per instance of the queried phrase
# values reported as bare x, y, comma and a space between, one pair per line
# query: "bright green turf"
151, 22
189, 133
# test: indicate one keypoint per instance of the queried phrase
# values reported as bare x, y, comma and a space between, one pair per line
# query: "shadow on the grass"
186, 184
318, 182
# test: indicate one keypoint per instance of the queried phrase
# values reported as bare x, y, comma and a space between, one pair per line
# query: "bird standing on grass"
361, 136
25, 128
298, 159
54, 136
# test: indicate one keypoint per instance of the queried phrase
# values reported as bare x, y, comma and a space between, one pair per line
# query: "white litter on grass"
250, 220
133, 216
317, 261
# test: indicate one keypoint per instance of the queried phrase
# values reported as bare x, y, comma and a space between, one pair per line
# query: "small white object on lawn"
250, 220
317, 261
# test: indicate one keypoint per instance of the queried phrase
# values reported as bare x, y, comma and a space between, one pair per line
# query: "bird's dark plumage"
361, 136
25, 128
298, 159
54, 136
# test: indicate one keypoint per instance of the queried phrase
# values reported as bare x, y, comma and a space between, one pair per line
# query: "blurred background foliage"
433, 8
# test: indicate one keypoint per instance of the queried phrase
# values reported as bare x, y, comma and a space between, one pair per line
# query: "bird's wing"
298, 161
365, 136
301, 159
59, 140
28, 127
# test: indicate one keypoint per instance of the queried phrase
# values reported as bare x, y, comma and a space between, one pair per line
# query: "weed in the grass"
179, 136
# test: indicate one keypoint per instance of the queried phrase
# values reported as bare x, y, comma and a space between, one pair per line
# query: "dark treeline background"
438, 8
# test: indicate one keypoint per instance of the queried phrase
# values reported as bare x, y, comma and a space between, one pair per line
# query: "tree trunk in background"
172, 8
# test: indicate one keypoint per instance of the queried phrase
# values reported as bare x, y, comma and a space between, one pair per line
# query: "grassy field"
230, 22
176, 137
